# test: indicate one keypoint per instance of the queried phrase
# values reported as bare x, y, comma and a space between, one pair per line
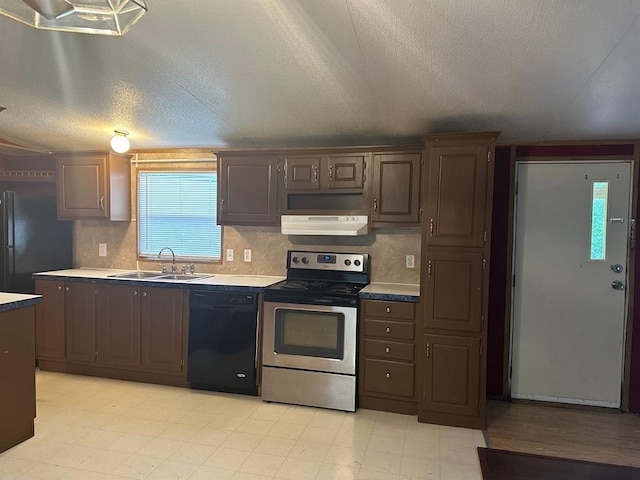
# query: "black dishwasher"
223, 330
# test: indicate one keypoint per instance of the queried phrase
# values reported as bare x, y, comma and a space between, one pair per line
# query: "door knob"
617, 285
617, 268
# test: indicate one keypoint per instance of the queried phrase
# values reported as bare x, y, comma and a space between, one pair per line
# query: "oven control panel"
340, 262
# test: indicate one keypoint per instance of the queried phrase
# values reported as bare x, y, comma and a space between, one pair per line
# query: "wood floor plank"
597, 436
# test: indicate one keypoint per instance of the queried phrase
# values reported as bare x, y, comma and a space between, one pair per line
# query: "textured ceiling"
258, 73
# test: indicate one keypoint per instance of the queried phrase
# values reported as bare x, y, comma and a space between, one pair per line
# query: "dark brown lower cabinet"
387, 357
112, 330
50, 334
118, 325
161, 317
80, 321
451, 376
17, 377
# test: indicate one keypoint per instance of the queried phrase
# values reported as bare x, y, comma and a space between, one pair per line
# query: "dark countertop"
394, 292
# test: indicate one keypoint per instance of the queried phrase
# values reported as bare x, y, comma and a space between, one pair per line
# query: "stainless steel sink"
137, 275
184, 277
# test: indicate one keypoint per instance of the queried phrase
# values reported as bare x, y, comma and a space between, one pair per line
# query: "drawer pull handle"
388, 330
388, 375
388, 310
387, 350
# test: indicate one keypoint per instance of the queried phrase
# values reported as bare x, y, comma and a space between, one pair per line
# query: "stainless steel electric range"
310, 324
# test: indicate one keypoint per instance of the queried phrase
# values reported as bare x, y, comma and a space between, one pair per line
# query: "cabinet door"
248, 191
80, 321
302, 172
82, 187
396, 188
451, 375
456, 202
118, 325
343, 171
162, 327
50, 320
453, 290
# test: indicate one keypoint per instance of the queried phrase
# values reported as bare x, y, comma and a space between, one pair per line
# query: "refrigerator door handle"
8, 253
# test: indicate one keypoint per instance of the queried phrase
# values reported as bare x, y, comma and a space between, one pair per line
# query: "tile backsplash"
387, 248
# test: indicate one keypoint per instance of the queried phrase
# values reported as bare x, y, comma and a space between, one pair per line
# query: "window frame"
180, 166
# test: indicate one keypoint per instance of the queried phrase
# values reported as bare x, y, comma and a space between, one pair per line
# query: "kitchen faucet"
173, 260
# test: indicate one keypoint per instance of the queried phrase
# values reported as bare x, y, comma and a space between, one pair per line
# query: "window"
177, 209
600, 196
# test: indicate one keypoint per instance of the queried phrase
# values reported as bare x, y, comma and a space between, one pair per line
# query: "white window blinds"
178, 210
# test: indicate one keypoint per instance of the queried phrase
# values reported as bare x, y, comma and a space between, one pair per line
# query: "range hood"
345, 225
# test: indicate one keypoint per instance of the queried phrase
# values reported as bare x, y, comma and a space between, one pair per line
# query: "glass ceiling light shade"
103, 17
120, 141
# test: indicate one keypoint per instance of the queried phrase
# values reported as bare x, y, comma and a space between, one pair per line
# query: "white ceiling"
259, 73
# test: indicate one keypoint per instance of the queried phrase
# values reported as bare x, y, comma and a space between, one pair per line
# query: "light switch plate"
229, 254
102, 249
247, 255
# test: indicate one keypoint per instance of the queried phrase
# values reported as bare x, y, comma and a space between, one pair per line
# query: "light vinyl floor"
100, 429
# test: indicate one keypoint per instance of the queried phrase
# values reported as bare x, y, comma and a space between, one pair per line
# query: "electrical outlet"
102, 249
229, 254
247, 255
410, 261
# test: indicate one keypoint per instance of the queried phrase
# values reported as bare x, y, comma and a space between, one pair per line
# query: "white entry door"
570, 265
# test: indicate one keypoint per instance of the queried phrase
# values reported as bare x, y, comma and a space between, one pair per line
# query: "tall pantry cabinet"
454, 283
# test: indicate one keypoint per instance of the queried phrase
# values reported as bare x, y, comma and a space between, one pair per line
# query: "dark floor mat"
503, 465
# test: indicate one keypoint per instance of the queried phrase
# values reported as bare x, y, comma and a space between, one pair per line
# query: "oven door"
310, 337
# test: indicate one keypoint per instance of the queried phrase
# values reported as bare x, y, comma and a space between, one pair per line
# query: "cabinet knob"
67, 289
387, 350
59, 288
135, 292
144, 294
388, 329
388, 309
388, 375
375, 205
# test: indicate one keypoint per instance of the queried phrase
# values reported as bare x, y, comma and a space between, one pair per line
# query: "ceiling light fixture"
120, 141
103, 17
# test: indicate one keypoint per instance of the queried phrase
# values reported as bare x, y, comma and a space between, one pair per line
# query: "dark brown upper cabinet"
395, 197
455, 207
247, 193
324, 171
94, 186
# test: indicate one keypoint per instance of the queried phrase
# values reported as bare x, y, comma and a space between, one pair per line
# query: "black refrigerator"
33, 240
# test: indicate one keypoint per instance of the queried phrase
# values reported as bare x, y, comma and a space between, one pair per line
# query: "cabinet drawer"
383, 309
387, 349
388, 329
391, 378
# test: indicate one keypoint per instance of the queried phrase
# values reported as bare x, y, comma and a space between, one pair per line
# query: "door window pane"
600, 197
